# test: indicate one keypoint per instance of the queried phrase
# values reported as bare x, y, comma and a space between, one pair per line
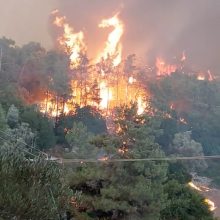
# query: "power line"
107, 160
39, 151
69, 161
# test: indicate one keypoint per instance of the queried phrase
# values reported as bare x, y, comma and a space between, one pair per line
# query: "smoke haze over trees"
153, 28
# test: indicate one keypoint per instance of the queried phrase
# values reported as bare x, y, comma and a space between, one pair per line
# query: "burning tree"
102, 84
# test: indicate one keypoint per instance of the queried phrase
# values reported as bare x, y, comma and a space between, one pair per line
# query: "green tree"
132, 190
41, 125
57, 69
30, 189
21, 137
183, 145
79, 139
90, 118
12, 116
184, 203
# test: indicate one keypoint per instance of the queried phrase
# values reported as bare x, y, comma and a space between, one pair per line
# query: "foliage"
178, 171
123, 190
56, 65
184, 146
3, 124
90, 118
196, 101
30, 189
41, 125
184, 203
20, 137
12, 116
79, 139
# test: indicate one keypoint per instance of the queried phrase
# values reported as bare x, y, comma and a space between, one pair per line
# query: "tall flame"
98, 89
113, 47
72, 43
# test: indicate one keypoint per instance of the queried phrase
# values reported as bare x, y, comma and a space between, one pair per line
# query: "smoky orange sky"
152, 27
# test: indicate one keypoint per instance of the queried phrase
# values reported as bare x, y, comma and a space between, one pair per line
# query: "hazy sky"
152, 27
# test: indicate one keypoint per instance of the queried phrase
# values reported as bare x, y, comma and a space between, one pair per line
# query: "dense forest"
74, 166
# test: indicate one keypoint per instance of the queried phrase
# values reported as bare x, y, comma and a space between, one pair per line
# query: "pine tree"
123, 190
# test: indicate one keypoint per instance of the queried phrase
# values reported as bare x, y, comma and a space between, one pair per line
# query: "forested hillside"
89, 163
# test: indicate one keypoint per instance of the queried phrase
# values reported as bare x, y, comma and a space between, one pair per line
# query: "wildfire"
205, 76
192, 185
210, 203
72, 43
201, 77
105, 95
53, 107
104, 87
113, 47
164, 69
141, 105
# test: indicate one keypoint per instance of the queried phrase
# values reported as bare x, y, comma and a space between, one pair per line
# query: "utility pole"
1, 54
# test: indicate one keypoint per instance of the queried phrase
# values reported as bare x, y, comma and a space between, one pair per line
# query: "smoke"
152, 27
26, 20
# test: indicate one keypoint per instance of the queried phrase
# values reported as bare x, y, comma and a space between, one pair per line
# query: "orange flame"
72, 43
164, 69
97, 89
113, 47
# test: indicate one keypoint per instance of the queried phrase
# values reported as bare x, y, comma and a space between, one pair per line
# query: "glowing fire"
113, 47
164, 69
192, 185
201, 77
53, 107
99, 88
72, 43
141, 105
211, 204
105, 95
205, 76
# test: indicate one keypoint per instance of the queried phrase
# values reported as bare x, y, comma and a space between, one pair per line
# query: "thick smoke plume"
152, 28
